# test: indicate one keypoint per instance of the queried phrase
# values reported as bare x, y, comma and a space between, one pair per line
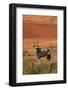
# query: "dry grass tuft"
32, 65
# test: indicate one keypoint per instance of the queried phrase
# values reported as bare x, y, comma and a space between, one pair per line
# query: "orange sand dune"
43, 31
40, 26
43, 28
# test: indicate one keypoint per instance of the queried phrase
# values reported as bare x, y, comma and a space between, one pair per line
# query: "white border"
20, 78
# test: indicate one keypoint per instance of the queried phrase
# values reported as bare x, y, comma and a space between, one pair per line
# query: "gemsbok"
41, 52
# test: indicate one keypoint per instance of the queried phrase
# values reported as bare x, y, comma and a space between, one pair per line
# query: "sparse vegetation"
32, 65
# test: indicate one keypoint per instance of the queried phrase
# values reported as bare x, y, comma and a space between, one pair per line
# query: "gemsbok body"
41, 52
